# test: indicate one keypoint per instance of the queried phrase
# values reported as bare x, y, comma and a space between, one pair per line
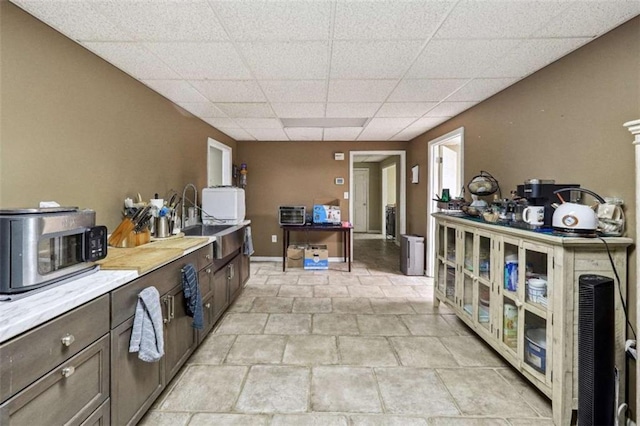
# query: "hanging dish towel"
192, 295
248, 242
146, 337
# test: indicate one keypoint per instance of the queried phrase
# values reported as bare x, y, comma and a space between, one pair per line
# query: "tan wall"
563, 122
294, 173
77, 130
375, 194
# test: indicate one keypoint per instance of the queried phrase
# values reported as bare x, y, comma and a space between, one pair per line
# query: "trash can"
412, 254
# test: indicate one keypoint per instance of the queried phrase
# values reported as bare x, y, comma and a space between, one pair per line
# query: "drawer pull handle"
207, 256
208, 306
518, 303
208, 270
68, 339
68, 371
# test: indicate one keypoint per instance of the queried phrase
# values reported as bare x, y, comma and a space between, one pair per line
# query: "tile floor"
339, 348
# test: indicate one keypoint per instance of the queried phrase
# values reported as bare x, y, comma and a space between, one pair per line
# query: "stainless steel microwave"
43, 246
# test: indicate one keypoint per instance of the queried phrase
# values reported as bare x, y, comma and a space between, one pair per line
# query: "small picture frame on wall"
414, 174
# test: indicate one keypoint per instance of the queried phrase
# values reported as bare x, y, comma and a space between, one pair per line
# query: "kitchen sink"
229, 238
204, 230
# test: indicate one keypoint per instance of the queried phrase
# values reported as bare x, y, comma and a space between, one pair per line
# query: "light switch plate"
346, 195
338, 156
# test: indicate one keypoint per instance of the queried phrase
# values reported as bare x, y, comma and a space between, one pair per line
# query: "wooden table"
344, 230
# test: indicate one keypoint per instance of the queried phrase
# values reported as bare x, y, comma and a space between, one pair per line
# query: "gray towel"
248, 242
147, 335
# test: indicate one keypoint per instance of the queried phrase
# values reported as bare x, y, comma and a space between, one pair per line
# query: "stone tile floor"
339, 348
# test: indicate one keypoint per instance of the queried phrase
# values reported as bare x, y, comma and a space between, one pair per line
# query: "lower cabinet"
100, 417
180, 336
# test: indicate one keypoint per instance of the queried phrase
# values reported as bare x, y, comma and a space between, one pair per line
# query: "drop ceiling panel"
133, 59
268, 134
295, 90
472, 19
298, 110
304, 133
94, 25
176, 90
480, 89
389, 123
360, 90
342, 133
227, 123
251, 110
291, 20
163, 20
594, 20
427, 123
357, 109
388, 20
450, 109
425, 90
202, 60
259, 123
407, 134
405, 109
372, 59
287, 60
377, 134
202, 109
230, 91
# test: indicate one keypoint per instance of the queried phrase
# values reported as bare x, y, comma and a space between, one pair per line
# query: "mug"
533, 215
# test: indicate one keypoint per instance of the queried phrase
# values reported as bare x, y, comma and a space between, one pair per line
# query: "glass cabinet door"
484, 257
510, 264
537, 278
451, 244
441, 241
483, 314
536, 336
467, 250
450, 280
510, 319
467, 296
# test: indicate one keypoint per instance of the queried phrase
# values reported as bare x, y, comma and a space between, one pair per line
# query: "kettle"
573, 219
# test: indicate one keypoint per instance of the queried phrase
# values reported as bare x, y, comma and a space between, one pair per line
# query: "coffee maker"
540, 192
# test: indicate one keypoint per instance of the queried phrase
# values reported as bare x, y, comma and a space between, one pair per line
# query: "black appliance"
540, 192
596, 362
390, 221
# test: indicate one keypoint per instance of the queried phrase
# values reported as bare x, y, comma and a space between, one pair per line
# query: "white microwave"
223, 204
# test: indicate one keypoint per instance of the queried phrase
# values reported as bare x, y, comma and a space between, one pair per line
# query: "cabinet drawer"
100, 417
205, 256
125, 298
204, 280
67, 395
31, 355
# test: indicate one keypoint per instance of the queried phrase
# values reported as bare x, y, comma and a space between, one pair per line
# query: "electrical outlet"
274, 238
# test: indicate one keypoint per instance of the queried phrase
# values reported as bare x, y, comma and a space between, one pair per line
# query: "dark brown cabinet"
180, 336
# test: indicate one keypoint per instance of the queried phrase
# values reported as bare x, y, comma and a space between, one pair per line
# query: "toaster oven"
42, 246
291, 215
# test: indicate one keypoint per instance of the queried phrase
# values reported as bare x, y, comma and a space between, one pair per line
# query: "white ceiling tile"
426, 123
405, 109
497, 19
377, 134
76, 19
458, 58
372, 59
355, 110
202, 60
202, 109
164, 20
389, 123
590, 18
222, 123
259, 123
360, 90
251, 110
304, 133
229, 90
268, 134
270, 20
407, 134
237, 134
481, 89
425, 90
298, 110
176, 90
287, 60
388, 20
295, 90
530, 56
342, 133
450, 109
133, 59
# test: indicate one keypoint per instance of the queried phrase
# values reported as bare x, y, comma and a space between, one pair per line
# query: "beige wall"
375, 194
77, 130
294, 173
563, 122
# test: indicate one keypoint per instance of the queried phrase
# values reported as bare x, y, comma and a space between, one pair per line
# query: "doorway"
446, 171
218, 163
361, 200
389, 196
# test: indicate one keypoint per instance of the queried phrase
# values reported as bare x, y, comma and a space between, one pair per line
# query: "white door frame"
401, 205
433, 169
384, 200
226, 162
366, 220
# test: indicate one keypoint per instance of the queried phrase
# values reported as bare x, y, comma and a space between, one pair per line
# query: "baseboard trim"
279, 259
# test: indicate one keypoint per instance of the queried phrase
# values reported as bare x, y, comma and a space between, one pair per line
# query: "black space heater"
596, 363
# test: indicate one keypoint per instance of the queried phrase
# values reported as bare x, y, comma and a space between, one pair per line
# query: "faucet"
195, 203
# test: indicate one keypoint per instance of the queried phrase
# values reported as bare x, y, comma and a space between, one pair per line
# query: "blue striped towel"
192, 295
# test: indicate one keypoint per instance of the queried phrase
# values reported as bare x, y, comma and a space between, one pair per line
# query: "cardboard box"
327, 211
295, 256
316, 257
